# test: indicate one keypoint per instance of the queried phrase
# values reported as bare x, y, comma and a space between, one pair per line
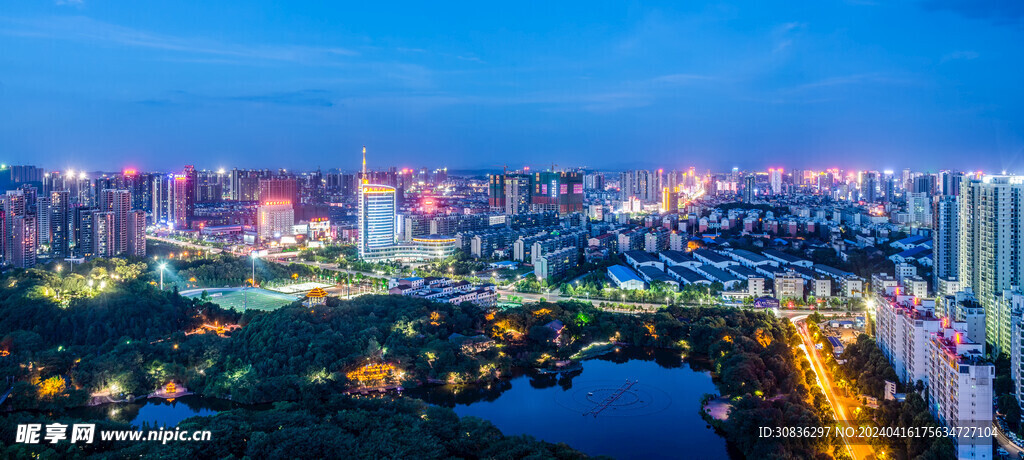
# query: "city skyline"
497, 169
512, 230
620, 87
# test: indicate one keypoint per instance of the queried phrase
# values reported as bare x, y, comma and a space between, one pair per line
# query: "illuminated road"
1005, 443
184, 244
857, 451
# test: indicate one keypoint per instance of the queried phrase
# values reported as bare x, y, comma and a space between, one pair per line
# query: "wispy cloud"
784, 36
681, 78
849, 80
78, 3
78, 28
960, 55
316, 98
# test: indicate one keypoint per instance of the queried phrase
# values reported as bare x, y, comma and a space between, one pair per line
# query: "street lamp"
162, 267
252, 255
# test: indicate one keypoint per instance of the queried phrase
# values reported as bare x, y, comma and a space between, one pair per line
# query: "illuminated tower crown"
365, 179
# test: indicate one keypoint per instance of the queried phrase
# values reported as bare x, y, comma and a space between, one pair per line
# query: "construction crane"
504, 168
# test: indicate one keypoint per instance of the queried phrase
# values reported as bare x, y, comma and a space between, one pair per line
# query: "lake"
655, 415
156, 411
658, 416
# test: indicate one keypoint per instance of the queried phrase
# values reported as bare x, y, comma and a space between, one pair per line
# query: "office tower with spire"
377, 208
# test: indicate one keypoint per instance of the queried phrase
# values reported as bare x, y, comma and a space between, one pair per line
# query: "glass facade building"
377, 207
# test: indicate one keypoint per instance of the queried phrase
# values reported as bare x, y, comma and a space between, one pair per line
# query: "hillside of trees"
130, 339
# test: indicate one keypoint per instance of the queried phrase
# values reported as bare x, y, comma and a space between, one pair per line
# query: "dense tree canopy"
131, 338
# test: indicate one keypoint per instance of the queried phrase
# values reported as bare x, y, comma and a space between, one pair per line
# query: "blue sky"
928, 84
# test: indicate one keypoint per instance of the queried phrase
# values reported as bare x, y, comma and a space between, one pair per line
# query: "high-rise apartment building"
517, 193
510, 193
42, 214
869, 187
278, 189
191, 181
103, 236
945, 244
136, 229
749, 188
949, 183
939, 353
560, 192
15, 205
274, 219
919, 209
180, 204
118, 202
642, 184
990, 258
775, 180
24, 241
83, 231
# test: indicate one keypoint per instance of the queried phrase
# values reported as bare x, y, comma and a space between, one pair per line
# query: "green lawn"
252, 299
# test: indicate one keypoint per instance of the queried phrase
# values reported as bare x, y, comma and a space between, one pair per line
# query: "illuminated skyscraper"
376, 219
377, 207
190, 196
42, 214
118, 202
60, 223
775, 180
14, 206
103, 236
180, 202
23, 237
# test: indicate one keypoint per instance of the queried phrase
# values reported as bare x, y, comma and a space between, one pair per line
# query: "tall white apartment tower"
990, 260
946, 241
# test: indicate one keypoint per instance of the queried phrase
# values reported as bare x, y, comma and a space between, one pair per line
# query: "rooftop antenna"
365, 180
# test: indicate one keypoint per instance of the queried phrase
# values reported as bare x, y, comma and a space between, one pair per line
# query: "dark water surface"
656, 417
